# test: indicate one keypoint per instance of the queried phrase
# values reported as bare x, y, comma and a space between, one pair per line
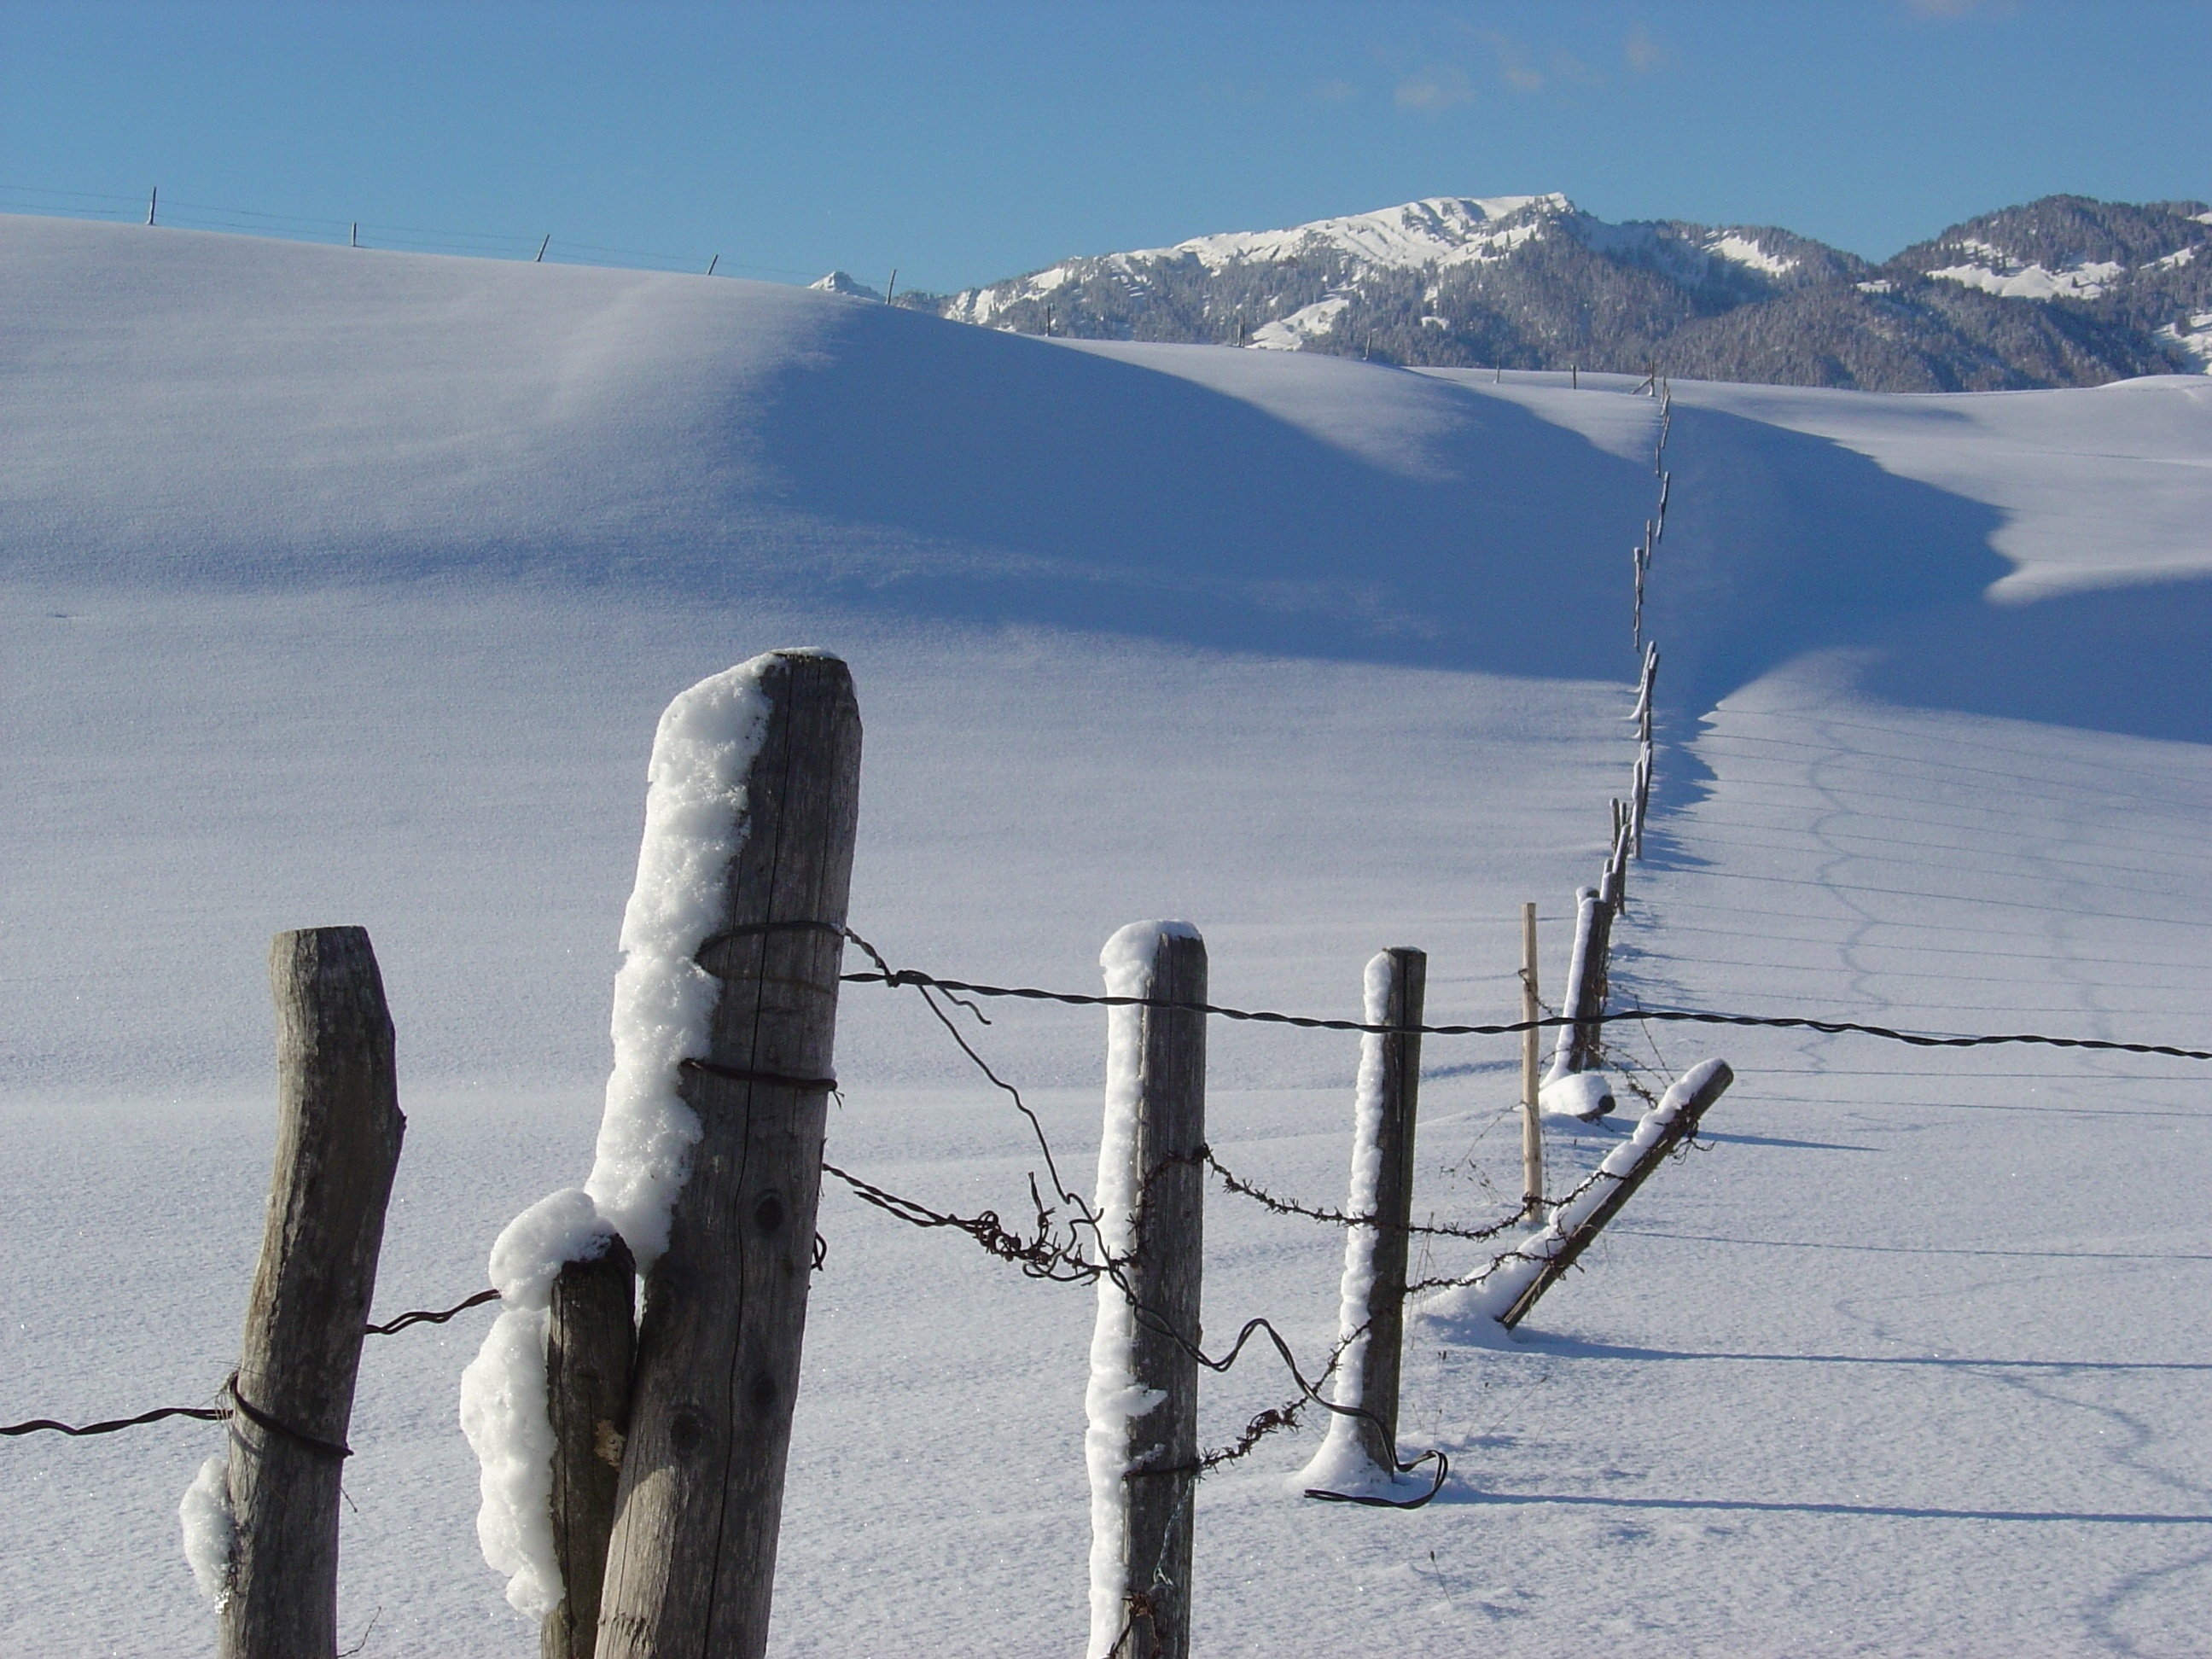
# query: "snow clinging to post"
694, 823
1342, 1463
695, 815
503, 1399
1116, 1399
211, 1531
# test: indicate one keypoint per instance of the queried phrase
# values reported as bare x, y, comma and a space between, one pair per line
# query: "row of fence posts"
672, 1432
1142, 1521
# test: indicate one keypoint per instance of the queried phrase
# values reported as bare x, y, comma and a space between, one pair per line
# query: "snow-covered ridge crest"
697, 815
1438, 230
844, 282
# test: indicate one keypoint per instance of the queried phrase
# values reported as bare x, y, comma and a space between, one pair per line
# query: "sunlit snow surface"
348, 588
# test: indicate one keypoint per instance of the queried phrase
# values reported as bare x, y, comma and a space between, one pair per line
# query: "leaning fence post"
1538, 1264
1142, 1404
691, 1562
1363, 1451
338, 1131
590, 1340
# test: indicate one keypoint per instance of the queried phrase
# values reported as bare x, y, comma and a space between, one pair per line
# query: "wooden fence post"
338, 1132
1532, 1116
1553, 1251
1142, 1444
1372, 1319
1578, 1045
590, 1342
691, 1563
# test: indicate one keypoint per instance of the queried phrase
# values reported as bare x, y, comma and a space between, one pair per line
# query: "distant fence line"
159, 210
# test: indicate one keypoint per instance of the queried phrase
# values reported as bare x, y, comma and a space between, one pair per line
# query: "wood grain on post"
1164, 1277
691, 1563
338, 1131
1532, 1117
1380, 1354
589, 1343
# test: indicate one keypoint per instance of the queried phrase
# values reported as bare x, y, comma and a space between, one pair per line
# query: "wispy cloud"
1335, 92
1944, 9
1645, 55
1514, 62
1434, 87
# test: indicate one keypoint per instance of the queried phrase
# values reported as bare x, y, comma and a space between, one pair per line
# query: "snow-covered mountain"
843, 282
2100, 292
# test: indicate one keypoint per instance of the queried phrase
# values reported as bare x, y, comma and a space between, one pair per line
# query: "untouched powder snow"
695, 816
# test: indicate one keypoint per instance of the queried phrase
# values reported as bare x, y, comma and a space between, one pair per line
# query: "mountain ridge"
2061, 291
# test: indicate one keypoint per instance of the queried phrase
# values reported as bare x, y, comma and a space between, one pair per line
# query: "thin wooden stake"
691, 1564
1145, 1550
542, 246
338, 1132
1532, 1117
589, 1344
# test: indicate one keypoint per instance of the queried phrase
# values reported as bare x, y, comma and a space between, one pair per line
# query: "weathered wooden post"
1532, 1116
1542, 1261
1142, 1403
1575, 1048
338, 1131
1363, 1451
590, 1343
691, 1562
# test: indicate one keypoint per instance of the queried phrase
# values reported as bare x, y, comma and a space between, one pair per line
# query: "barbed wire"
912, 976
1040, 1257
223, 1413
1251, 1189
392, 1328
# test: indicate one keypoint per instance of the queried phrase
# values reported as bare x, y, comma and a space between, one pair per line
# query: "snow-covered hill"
346, 586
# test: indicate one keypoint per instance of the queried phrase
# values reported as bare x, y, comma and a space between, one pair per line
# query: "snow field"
350, 590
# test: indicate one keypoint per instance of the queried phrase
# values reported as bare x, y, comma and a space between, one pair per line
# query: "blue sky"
964, 143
